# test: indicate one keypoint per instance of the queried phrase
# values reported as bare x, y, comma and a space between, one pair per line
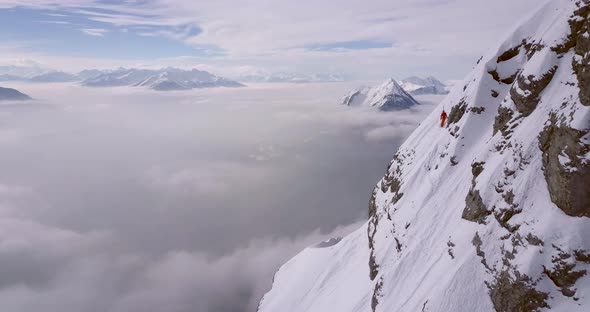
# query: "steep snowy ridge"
491, 212
386, 96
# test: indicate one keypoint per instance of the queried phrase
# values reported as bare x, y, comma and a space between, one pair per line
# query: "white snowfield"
464, 219
386, 96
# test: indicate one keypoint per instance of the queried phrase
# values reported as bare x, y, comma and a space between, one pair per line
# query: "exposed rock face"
475, 210
373, 222
469, 220
516, 293
564, 166
526, 92
564, 274
580, 28
457, 112
501, 121
510, 53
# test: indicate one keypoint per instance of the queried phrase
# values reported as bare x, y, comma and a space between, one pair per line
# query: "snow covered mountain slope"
9, 94
490, 212
386, 96
429, 85
162, 79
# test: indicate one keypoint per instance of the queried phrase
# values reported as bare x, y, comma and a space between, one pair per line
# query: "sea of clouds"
125, 199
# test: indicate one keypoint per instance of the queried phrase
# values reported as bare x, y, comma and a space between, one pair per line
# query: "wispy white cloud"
96, 32
56, 22
431, 37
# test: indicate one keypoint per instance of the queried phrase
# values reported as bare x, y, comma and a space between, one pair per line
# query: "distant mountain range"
8, 94
419, 86
54, 76
171, 78
386, 96
20, 71
290, 77
160, 79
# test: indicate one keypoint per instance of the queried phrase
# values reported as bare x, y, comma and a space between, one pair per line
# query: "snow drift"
491, 212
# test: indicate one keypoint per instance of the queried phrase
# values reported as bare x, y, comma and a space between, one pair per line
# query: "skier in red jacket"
443, 118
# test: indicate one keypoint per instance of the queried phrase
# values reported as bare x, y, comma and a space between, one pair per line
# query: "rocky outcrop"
475, 210
371, 230
526, 91
563, 273
516, 292
580, 28
457, 112
565, 168
501, 121
508, 54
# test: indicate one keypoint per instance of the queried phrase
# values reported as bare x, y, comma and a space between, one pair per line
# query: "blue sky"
371, 39
74, 34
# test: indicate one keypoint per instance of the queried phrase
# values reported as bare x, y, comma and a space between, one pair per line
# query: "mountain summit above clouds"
419, 86
490, 212
386, 96
9, 94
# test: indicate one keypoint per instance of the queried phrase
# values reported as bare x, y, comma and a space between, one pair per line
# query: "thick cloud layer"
131, 200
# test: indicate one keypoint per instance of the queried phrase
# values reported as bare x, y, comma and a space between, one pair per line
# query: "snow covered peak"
177, 79
429, 85
387, 96
490, 212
